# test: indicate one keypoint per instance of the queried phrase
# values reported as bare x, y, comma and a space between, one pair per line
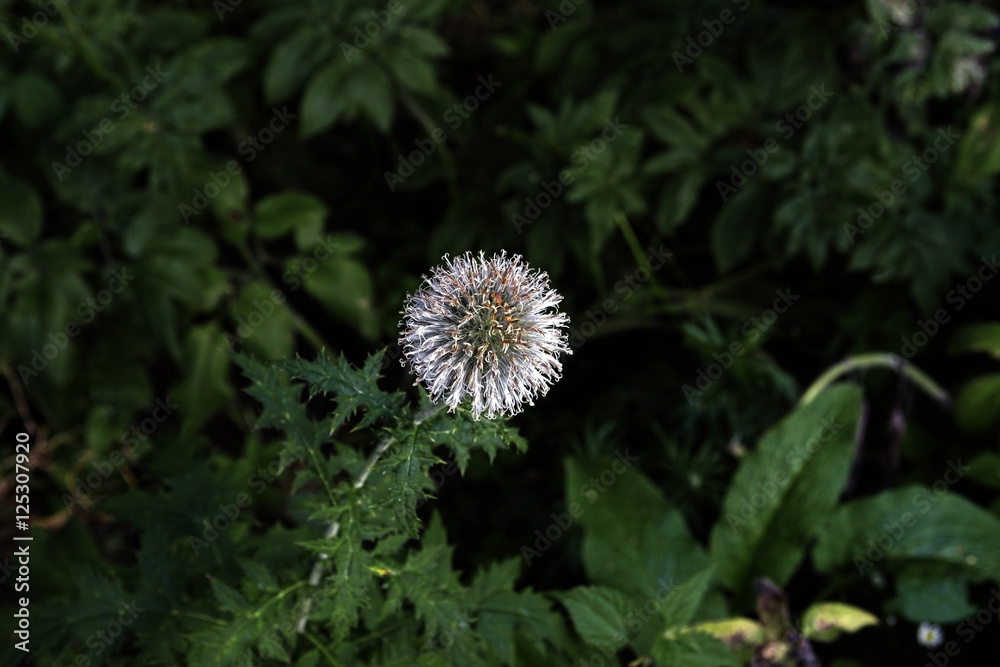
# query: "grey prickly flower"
485, 328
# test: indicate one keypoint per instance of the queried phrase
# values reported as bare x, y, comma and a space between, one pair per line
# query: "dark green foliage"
211, 215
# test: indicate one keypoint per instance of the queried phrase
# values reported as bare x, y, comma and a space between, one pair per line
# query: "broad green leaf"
977, 338
784, 489
925, 535
734, 233
262, 322
634, 540
826, 621
985, 469
20, 212
37, 102
412, 71
977, 406
424, 41
344, 285
205, 387
279, 214
372, 92
673, 129
323, 101
292, 61
933, 592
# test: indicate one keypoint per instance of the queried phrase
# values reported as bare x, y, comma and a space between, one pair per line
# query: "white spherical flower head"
486, 329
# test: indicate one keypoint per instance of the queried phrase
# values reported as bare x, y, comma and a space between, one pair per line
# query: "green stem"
633, 242
192, 614
281, 594
330, 658
877, 360
383, 632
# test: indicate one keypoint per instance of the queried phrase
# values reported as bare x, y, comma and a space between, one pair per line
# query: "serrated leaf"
684, 598
225, 645
354, 389
258, 574
692, 648
598, 614
228, 598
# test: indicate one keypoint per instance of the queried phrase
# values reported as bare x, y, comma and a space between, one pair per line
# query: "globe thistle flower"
929, 635
486, 329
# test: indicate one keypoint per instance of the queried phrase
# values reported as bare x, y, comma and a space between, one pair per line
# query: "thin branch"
877, 360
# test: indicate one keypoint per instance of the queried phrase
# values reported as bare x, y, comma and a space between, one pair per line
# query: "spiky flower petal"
486, 329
